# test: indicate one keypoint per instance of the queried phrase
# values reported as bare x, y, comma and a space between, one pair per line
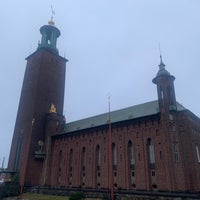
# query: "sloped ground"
29, 196
11, 198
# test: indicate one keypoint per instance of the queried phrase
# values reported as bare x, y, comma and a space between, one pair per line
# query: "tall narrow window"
70, 159
114, 149
152, 169
131, 161
60, 158
83, 163
131, 153
197, 152
175, 151
98, 156
114, 154
98, 166
59, 166
70, 168
151, 153
83, 159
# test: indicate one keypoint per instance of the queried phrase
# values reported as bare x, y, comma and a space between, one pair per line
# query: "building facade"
154, 146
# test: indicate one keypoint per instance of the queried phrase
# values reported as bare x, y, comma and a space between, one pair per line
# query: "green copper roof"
49, 37
133, 112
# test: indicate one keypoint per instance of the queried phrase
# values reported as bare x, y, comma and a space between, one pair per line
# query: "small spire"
161, 65
51, 22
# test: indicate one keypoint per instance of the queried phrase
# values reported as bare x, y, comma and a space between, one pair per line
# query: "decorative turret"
49, 36
165, 88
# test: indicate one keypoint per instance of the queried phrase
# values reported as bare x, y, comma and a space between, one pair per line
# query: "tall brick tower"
42, 93
170, 134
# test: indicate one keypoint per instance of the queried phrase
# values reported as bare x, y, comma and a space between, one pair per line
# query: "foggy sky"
112, 47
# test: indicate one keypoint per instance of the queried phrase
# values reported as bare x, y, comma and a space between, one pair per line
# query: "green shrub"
76, 196
11, 188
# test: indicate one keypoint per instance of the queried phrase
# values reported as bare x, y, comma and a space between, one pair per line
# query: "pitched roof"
133, 112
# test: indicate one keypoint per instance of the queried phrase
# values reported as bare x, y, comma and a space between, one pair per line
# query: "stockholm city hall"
151, 147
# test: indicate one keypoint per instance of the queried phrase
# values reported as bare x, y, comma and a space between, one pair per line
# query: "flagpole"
110, 153
52, 12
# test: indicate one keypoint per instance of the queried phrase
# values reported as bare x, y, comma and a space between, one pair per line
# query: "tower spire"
161, 65
51, 22
52, 12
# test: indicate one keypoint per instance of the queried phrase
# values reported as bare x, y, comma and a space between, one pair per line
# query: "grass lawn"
32, 196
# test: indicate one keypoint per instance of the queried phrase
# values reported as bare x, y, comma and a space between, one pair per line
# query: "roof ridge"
124, 114
113, 111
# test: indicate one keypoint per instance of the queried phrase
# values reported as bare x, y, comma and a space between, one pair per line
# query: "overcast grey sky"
112, 48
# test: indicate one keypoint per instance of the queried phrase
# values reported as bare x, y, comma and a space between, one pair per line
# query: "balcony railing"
40, 155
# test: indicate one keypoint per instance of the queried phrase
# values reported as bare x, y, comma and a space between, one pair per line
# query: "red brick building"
155, 145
